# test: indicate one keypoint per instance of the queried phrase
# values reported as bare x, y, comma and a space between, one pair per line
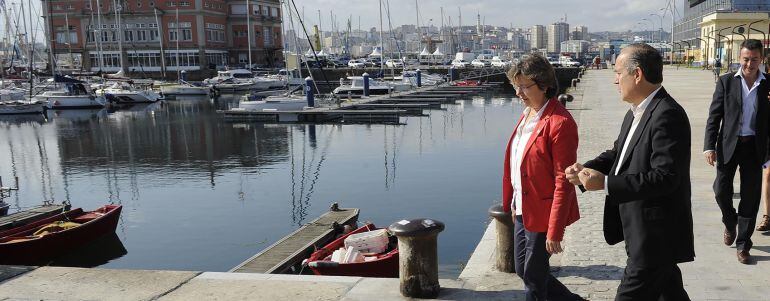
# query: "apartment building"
164, 35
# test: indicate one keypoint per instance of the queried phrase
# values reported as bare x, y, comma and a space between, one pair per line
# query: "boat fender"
323, 264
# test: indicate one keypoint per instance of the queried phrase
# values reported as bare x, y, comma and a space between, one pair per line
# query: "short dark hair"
752, 44
536, 68
644, 57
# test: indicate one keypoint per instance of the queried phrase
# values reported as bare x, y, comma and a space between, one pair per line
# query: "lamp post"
652, 39
688, 47
660, 32
672, 51
764, 35
729, 41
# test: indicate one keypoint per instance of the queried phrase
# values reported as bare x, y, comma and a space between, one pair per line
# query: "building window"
186, 35
243, 58
153, 35
238, 9
171, 4
184, 3
268, 37
128, 35
265, 10
206, 5
172, 35
141, 35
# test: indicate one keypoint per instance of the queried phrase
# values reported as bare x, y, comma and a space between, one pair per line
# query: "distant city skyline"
619, 15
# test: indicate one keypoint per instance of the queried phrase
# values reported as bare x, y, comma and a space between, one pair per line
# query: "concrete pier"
588, 266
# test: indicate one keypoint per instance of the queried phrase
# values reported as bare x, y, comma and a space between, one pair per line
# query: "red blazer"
549, 200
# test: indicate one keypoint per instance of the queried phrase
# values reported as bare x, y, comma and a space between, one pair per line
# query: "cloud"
619, 15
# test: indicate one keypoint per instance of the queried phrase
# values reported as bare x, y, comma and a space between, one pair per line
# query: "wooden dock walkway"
292, 249
30, 215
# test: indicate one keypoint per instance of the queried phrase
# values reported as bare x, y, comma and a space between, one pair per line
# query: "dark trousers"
649, 284
746, 158
532, 266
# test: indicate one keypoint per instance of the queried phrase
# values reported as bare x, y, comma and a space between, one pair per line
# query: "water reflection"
183, 173
94, 254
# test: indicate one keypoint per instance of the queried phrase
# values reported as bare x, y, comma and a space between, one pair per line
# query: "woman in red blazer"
543, 144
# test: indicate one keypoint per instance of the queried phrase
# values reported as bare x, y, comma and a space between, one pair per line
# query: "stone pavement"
588, 266
592, 268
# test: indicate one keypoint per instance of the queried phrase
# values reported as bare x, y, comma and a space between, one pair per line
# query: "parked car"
568, 62
460, 64
499, 63
397, 63
359, 63
336, 64
479, 63
373, 62
554, 62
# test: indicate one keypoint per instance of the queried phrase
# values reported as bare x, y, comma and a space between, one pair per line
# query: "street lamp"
672, 47
660, 32
730, 41
764, 35
688, 46
652, 39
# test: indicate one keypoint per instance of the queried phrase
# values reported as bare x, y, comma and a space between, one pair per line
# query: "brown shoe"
729, 236
764, 225
743, 257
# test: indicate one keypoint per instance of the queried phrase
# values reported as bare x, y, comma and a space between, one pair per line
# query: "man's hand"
553, 247
711, 157
591, 179
572, 173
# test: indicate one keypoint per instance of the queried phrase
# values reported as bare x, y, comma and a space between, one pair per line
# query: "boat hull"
184, 90
61, 102
385, 266
22, 108
39, 250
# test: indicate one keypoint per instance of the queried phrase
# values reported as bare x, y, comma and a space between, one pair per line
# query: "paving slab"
247, 286
59, 283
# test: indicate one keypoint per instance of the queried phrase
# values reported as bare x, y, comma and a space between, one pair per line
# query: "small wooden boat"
466, 83
50, 237
384, 265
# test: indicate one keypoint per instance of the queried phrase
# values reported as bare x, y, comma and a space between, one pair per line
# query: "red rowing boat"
384, 265
45, 239
466, 83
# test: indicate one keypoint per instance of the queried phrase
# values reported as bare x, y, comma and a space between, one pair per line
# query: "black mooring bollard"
418, 256
505, 232
565, 98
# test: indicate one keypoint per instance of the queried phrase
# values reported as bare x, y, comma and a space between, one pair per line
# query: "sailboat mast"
120, 34
100, 40
31, 48
178, 67
248, 28
69, 44
160, 42
382, 44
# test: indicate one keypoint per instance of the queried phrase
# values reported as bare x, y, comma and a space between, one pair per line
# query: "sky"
598, 15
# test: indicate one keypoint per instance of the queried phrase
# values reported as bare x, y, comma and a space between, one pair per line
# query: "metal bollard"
309, 96
505, 232
452, 75
574, 82
418, 256
419, 78
366, 83
565, 98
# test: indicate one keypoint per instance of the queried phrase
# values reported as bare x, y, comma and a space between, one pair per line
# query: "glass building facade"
687, 29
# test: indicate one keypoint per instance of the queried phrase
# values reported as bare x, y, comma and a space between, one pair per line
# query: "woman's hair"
536, 68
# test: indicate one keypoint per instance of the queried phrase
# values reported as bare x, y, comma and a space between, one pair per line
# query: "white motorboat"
274, 103
183, 88
426, 79
234, 80
12, 93
74, 95
124, 93
355, 86
21, 107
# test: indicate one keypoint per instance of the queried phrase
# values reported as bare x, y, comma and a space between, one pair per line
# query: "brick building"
209, 33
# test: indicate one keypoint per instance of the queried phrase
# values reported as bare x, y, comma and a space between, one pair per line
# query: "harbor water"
204, 194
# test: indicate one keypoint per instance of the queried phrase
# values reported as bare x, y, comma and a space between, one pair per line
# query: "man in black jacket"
737, 135
646, 177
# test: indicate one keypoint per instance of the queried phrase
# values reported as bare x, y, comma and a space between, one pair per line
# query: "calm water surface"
203, 194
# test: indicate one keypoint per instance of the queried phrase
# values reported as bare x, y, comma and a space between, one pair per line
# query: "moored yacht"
355, 86
125, 93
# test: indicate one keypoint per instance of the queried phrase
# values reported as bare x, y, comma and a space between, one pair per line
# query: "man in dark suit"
646, 177
737, 135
